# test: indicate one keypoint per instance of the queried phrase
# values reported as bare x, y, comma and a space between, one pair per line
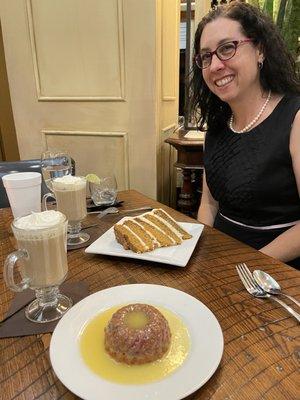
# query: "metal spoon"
115, 210
270, 285
109, 210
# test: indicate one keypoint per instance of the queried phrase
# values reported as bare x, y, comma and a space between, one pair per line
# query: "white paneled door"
86, 76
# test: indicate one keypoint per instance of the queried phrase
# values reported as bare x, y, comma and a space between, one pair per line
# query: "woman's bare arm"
208, 207
286, 246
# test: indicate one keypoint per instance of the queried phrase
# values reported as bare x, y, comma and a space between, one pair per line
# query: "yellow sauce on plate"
99, 361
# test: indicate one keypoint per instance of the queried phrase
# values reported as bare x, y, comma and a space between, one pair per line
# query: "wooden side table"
190, 161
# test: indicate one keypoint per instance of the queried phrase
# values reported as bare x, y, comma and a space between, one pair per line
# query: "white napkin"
194, 135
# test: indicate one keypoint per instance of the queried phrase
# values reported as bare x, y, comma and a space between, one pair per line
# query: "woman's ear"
260, 64
261, 56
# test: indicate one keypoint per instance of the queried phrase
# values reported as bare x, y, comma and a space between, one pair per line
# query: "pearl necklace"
255, 119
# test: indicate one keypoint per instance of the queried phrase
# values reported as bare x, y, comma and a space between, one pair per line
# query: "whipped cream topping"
40, 220
69, 182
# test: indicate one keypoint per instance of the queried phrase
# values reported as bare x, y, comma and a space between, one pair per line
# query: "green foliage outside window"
286, 15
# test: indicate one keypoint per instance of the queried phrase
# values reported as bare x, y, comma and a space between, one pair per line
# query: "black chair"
9, 167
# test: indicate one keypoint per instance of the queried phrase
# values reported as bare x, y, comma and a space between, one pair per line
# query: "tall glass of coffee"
70, 194
42, 256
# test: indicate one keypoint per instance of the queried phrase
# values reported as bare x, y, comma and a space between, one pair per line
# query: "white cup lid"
21, 179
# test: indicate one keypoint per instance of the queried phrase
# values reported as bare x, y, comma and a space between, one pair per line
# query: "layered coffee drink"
43, 236
70, 194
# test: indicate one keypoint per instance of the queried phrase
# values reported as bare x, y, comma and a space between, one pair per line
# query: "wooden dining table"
261, 340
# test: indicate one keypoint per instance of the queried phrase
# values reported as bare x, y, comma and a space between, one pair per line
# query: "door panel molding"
169, 77
104, 77
102, 153
166, 167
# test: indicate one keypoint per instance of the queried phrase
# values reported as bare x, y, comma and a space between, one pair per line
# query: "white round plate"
203, 359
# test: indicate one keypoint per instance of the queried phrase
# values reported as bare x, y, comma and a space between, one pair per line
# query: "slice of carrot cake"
148, 231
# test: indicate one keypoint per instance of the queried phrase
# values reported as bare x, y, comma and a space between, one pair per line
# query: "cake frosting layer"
149, 231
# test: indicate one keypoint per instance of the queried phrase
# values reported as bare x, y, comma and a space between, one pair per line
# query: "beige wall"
202, 7
168, 21
97, 78
8, 139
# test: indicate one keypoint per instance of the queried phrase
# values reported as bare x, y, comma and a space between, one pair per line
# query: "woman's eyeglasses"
224, 52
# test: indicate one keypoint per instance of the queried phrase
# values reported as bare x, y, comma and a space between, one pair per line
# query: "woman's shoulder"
286, 109
278, 124
291, 101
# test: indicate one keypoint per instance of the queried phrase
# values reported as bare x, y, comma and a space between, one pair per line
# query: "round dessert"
137, 334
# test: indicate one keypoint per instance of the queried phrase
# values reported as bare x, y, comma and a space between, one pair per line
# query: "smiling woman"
244, 87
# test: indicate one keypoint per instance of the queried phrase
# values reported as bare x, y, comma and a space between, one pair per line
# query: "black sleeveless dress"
251, 176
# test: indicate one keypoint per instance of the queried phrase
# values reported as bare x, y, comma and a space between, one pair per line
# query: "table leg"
187, 200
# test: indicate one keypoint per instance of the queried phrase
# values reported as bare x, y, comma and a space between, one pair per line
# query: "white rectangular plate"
173, 255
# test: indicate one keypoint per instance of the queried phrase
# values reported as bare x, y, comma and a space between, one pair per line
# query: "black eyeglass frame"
236, 43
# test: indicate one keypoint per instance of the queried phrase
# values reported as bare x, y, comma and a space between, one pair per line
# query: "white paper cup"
24, 192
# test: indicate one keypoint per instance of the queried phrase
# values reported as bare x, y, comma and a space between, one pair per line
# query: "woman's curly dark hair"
278, 73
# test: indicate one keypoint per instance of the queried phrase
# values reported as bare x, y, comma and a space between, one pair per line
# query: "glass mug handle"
45, 198
9, 264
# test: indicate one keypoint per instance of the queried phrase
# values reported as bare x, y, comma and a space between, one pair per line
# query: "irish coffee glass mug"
70, 195
42, 261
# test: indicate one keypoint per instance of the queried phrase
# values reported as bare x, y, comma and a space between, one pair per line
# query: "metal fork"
256, 291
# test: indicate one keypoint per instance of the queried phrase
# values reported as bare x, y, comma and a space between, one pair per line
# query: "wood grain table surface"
261, 341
